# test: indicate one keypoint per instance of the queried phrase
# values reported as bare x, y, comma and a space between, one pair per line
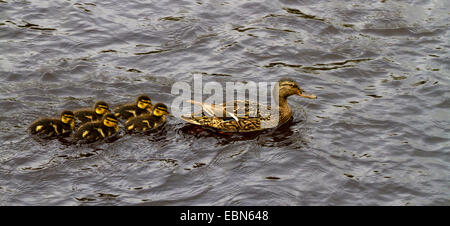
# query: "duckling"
53, 127
147, 122
143, 105
90, 115
101, 129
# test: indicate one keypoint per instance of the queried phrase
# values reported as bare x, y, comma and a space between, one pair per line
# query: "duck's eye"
288, 84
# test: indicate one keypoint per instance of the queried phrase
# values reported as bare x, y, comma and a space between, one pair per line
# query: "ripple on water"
376, 134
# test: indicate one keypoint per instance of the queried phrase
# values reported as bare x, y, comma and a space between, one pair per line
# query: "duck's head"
144, 102
160, 109
67, 117
110, 120
288, 87
101, 108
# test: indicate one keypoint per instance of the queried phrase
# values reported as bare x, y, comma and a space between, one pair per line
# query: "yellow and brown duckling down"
89, 115
254, 115
143, 105
54, 127
148, 122
93, 131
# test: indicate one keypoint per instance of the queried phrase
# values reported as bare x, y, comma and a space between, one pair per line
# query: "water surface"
378, 134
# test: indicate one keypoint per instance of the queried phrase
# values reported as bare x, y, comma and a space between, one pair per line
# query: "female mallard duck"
253, 117
143, 105
89, 115
94, 131
147, 122
53, 127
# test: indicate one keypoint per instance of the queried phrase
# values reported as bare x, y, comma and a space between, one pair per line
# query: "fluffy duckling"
101, 129
89, 115
53, 127
142, 106
147, 122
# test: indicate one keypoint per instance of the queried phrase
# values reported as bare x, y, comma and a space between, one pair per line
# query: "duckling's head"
160, 109
110, 120
67, 117
144, 102
101, 107
288, 87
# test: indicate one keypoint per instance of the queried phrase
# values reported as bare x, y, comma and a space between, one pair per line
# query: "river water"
378, 133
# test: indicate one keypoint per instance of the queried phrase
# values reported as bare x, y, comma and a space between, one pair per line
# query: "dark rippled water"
378, 134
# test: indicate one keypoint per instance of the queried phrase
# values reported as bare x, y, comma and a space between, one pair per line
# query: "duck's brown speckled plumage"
252, 117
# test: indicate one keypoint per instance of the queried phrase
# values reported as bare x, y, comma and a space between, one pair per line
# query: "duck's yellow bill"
306, 95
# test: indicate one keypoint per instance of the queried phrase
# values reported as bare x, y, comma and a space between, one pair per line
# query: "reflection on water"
376, 135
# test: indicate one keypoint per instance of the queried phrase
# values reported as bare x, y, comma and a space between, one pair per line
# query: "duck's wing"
232, 116
235, 109
212, 110
248, 109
